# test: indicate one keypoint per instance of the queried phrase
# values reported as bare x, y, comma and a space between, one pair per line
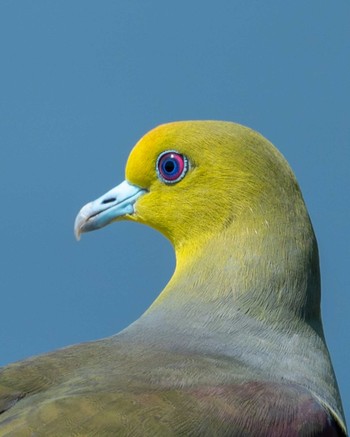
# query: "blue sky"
81, 81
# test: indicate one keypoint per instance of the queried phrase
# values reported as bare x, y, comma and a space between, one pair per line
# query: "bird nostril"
109, 200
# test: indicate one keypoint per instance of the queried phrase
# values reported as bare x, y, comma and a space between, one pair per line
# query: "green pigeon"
234, 345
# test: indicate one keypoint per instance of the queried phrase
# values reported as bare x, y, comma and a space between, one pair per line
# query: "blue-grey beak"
116, 203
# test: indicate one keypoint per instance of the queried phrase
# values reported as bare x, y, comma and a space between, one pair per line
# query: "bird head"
192, 179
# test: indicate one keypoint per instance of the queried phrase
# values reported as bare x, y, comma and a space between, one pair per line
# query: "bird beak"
115, 204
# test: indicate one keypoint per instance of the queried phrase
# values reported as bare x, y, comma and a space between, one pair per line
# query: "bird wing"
139, 393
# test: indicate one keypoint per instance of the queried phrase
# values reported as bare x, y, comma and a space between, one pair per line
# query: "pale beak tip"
77, 234
78, 226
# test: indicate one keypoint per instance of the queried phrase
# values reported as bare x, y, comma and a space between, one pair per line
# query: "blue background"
81, 81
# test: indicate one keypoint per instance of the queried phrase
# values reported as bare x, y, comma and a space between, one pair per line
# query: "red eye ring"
171, 166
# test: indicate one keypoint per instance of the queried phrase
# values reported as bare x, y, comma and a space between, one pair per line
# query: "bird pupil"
169, 166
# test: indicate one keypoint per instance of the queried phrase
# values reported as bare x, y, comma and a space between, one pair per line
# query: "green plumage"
234, 344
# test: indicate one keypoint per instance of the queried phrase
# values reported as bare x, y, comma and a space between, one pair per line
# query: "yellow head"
232, 170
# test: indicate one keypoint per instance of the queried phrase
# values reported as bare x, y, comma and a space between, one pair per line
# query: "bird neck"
273, 277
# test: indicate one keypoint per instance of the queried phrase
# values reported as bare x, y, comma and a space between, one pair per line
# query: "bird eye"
171, 166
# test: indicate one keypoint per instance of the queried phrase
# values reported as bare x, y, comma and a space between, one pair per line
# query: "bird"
234, 344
